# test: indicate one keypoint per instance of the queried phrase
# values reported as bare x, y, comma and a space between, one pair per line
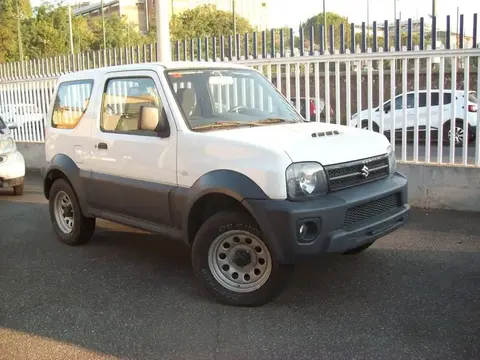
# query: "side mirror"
12, 126
150, 120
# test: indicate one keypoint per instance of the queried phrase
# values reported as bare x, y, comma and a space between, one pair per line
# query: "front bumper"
12, 169
341, 221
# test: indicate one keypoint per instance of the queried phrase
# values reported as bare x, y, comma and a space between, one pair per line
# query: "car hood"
325, 143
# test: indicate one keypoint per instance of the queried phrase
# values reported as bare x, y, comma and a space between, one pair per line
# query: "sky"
281, 14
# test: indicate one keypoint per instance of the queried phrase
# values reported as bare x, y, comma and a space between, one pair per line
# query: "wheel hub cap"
239, 261
63, 211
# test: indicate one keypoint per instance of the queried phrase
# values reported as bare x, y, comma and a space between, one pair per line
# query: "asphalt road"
130, 295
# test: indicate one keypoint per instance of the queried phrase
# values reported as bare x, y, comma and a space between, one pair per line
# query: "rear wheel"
234, 263
458, 133
70, 225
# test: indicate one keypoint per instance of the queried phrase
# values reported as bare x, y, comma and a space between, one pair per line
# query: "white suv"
460, 103
216, 156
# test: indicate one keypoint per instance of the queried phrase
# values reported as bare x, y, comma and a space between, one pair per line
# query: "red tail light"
313, 108
472, 108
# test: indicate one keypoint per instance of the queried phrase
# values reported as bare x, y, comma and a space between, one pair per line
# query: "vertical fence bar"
245, 44
477, 135
428, 130
301, 46
475, 19
448, 34
177, 50
441, 77
392, 103
237, 46
434, 32
288, 79
404, 108
317, 89
374, 45
321, 38
453, 76
338, 111
272, 43
352, 38
297, 85
369, 93
184, 50
348, 93
292, 43
230, 47
192, 50
359, 91
214, 48
409, 35
222, 48
466, 88
364, 38
312, 40
206, 49
462, 31
422, 33
397, 35
386, 35
327, 92
255, 45
342, 39
417, 108
199, 49
282, 43
381, 91
308, 115
264, 44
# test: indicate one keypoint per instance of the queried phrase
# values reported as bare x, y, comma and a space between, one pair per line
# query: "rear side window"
447, 98
472, 97
71, 103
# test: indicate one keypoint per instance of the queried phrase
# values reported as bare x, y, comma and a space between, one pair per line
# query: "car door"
133, 171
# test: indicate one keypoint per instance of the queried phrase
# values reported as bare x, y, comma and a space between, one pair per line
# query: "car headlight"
306, 180
7, 145
392, 160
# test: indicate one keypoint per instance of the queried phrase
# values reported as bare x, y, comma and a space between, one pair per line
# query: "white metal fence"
430, 88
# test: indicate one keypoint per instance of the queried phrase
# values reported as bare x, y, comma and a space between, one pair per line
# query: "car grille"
341, 176
369, 210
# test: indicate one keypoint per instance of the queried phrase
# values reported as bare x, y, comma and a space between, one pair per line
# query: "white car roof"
173, 65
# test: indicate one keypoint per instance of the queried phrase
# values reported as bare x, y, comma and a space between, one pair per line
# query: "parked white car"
225, 164
460, 103
12, 163
21, 114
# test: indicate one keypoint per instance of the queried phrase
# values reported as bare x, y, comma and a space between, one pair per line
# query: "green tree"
332, 19
10, 11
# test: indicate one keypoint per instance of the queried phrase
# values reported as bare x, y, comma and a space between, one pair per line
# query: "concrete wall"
430, 186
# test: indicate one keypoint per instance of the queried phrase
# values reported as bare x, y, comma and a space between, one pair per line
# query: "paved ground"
126, 295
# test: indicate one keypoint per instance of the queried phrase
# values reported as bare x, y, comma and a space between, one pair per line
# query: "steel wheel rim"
232, 268
458, 139
64, 212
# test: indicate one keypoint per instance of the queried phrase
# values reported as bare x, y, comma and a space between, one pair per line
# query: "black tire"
357, 250
374, 125
83, 227
220, 223
18, 190
458, 124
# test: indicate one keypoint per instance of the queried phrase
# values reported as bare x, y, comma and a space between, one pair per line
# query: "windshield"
218, 98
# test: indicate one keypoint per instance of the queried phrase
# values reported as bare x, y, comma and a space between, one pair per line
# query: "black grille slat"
341, 176
369, 210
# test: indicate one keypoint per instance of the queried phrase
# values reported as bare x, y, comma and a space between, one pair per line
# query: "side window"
447, 98
71, 103
410, 101
422, 100
398, 102
122, 100
435, 99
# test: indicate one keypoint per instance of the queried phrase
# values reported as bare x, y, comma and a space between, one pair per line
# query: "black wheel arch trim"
227, 182
73, 174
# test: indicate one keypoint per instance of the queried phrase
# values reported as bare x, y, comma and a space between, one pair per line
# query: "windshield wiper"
271, 121
221, 124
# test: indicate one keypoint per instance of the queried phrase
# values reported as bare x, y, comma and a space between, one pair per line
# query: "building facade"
141, 13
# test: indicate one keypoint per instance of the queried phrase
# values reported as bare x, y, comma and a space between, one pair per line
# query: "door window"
122, 101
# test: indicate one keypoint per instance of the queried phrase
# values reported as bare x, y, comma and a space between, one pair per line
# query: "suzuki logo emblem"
365, 171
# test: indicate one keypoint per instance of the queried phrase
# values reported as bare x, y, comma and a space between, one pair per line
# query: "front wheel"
458, 133
70, 225
234, 263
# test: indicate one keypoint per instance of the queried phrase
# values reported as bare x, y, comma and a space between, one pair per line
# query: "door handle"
102, 146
